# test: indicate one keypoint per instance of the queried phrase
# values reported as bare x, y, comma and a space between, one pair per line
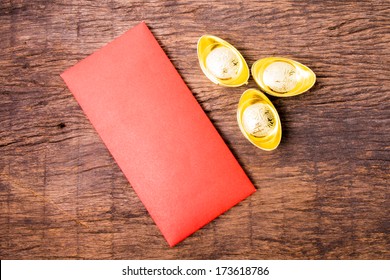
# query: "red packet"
166, 146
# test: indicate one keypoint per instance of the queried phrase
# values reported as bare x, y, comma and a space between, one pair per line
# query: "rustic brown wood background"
323, 194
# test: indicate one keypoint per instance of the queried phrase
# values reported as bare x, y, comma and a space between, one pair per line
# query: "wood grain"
323, 194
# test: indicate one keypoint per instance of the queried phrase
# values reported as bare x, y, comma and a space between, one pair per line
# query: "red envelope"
166, 146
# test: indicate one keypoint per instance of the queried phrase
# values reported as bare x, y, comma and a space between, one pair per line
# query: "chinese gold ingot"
258, 120
221, 62
282, 77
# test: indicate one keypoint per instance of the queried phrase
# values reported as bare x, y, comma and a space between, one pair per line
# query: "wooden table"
323, 194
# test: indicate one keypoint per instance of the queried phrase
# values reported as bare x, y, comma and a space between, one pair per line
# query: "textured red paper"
158, 134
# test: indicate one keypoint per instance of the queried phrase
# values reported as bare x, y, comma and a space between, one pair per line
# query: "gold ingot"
258, 120
222, 63
282, 77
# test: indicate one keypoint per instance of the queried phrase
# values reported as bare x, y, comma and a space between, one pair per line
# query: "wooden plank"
323, 194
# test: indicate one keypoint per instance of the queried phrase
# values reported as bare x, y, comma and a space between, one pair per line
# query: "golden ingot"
221, 62
282, 77
258, 120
